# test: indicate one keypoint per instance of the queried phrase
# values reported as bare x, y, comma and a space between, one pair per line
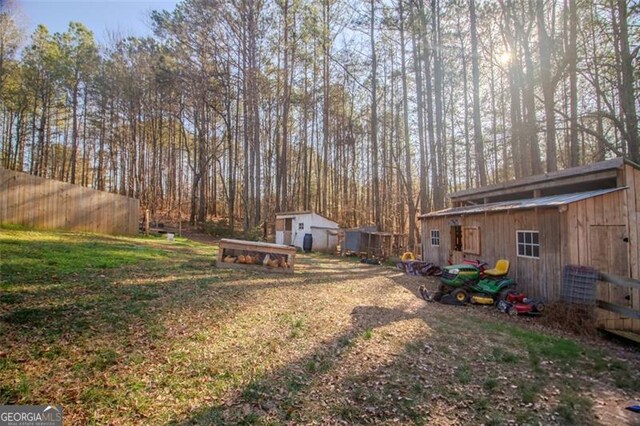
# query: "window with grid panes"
528, 244
435, 237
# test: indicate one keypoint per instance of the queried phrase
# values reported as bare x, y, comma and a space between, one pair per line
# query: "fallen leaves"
335, 343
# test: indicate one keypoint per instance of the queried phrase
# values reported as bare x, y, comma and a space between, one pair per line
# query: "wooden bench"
267, 257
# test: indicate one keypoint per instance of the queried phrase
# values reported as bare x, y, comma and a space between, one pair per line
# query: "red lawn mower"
518, 304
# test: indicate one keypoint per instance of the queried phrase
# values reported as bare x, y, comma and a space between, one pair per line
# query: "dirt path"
368, 349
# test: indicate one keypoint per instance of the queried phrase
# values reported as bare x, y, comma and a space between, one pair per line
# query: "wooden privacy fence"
618, 298
46, 204
628, 317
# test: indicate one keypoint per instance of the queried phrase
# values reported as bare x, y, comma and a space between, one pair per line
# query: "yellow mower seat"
501, 269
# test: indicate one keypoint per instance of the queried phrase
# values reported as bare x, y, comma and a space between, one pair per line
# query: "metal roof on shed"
590, 169
531, 203
294, 213
290, 215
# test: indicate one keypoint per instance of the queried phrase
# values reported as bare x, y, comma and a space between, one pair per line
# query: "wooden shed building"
291, 227
587, 215
371, 243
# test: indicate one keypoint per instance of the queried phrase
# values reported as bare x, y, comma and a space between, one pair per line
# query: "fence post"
146, 223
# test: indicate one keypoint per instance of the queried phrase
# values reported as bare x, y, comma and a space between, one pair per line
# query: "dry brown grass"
173, 340
574, 319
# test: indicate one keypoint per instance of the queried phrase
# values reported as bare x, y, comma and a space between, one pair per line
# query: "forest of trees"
365, 111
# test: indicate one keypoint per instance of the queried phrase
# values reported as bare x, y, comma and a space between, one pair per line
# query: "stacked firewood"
269, 260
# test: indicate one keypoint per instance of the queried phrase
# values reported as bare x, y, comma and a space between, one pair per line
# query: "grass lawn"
142, 330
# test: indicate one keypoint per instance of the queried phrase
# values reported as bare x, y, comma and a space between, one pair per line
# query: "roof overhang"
290, 215
287, 215
532, 203
601, 175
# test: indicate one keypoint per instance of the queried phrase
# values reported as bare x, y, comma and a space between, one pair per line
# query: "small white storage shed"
291, 228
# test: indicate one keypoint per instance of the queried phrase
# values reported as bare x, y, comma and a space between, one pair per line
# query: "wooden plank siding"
594, 231
41, 203
589, 232
632, 180
602, 231
497, 231
436, 254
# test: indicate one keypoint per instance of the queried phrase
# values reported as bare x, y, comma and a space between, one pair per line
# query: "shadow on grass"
126, 304
281, 396
413, 387
48, 296
96, 305
134, 303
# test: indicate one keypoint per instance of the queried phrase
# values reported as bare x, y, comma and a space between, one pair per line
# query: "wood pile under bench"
252, 255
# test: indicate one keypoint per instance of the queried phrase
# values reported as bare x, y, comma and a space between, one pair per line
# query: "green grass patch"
525, 417
101, 396
534, 362
10, 298
36, 317
297, 327
495, 419
626, 379
623, 376
418, 389
463, 374
545, 346
295, 383
312, 366
481, 405
104, 358
344, 341
11, 393
502, 355
490, 384
254, 391
529, 391
39, 256
573, 408
348, 412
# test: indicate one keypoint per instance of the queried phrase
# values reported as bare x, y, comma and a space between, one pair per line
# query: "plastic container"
307, 242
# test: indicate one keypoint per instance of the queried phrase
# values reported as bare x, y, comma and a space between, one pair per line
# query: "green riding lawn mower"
471, 282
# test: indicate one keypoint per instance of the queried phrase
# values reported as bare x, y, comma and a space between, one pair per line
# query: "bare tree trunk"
574, 147
288, 62
246, 114
531, 128
202, 166
494, 113
465, 97
600, 147
516, 121
74, 132
627, 92
407, 142
417, 64
374, 122
255, 108
548, 88
477, 124
439, 184
433, 157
